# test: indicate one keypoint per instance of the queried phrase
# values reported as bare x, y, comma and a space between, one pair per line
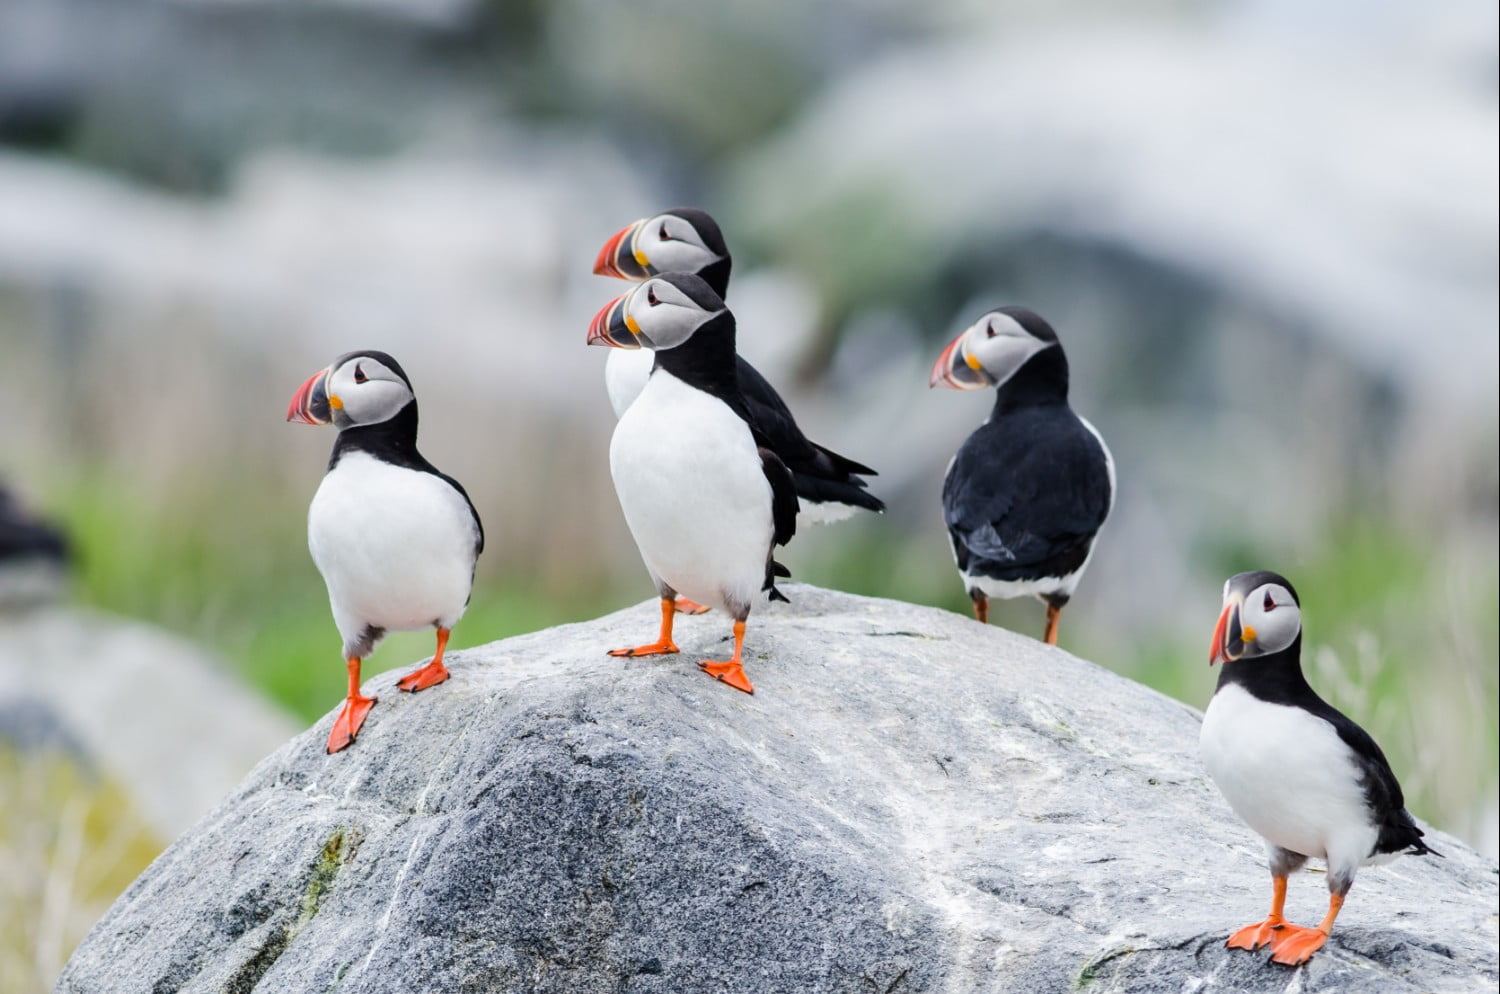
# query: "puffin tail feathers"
773, 570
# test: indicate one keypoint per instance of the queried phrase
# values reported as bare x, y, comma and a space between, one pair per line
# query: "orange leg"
1296, 945
663, 644
1252, 937
1053, 614
430, 675
352, 715
730, 671
982, 610
686, 605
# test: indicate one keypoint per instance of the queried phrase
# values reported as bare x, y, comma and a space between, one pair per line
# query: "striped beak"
613, 327
310, 403
1229, 636
958, 370
618, 257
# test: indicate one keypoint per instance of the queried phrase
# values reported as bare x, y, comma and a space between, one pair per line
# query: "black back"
395, 441
1277, 678
23, 536
707, 361
1029, 489
819, 473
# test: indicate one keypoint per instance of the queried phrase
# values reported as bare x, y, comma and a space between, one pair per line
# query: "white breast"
625, 375
1287, 773
395, 546
699, 508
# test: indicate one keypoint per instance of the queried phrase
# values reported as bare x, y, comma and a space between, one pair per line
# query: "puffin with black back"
1028, 491
688, 240
706, 507
1307, 779
395, 540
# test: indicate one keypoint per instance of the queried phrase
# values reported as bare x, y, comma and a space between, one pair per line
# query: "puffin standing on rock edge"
395, 540
706, 506
1028, 491
688, 240
1310, 781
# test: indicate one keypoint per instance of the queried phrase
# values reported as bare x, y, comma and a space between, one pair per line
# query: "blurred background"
1265, 231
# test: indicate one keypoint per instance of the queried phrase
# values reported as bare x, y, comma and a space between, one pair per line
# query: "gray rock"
910, 802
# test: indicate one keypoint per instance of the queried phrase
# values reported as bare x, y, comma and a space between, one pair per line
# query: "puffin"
34, 556
707, 507
1309, 780
395, 539
687, 240
1027, 492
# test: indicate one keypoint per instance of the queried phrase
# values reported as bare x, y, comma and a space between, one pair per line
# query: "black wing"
783, 515
1398, 830
1026, 495
819, 474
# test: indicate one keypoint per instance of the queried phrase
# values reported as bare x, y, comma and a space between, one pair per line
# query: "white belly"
700, 510
395, 546
1288, 775
625, 375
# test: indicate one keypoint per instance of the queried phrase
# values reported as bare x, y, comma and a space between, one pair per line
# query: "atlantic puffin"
706, 507
1028, 491
1310, 781
395, 540
34, 556
688, 240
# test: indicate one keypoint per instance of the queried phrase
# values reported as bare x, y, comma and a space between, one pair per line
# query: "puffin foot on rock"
347, 725
686, 605
1253, 937
730, 671
430, 675
1295, 945
664, 644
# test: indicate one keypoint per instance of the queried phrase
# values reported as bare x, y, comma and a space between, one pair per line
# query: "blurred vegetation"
70, 844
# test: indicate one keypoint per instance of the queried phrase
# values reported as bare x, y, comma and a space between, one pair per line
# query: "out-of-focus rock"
147, 710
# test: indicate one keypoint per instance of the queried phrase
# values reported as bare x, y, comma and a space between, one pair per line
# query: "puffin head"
992, 349
680, 240
358, 388
1261, 615
659, 314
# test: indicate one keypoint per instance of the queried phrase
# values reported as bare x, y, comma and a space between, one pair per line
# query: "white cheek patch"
1277, 628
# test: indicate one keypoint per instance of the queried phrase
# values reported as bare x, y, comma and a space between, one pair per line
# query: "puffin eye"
651, 296
359, 374
661, 232
1268, 603
989, 330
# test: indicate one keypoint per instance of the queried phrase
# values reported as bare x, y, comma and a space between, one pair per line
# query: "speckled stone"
911, 802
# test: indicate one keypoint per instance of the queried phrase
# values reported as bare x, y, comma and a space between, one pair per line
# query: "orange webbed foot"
659, 648
347, 725
1295, 945
686, 605
1253, 937
430, 675
730, 672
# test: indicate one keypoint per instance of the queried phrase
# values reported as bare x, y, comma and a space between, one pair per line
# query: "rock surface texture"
910, 802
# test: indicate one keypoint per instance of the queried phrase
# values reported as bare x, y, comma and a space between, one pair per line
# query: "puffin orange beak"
612, 327
958, 370
309, 404
1229, 636
618, 259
